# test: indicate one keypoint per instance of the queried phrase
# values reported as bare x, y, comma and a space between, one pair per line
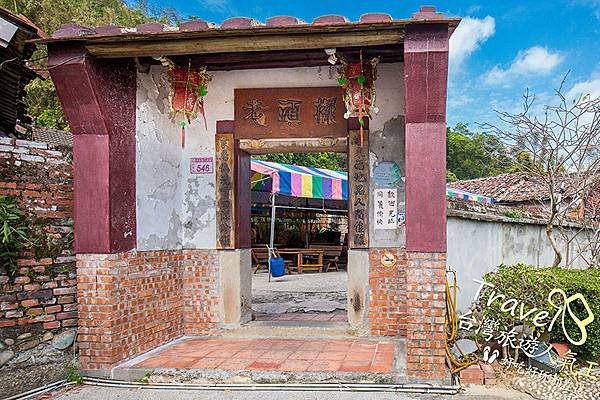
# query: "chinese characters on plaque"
288, 111
385, 209
291, 112
225, 199
358, 204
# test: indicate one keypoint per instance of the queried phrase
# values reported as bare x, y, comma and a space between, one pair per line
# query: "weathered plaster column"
358, 225
233, 227
99, 102
426, 71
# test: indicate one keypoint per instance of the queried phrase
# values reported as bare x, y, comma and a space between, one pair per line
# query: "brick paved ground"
311, 355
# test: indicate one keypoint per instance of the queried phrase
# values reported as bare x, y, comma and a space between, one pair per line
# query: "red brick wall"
40, 297
425, 311
387, 294
135, 301
200, 292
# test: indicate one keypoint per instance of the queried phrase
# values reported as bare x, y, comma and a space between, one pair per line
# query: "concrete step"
291, 329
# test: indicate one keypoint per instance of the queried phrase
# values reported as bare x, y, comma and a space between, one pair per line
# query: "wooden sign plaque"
302, 112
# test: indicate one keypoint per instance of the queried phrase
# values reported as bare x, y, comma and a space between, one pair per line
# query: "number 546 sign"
202, 165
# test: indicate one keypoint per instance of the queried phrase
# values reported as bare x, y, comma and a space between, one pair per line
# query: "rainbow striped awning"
299, 181
464, 195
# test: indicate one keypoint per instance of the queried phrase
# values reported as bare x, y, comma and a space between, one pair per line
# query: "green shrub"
531, 286
14, 233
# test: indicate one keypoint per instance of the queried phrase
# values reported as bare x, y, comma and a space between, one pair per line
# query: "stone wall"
38, 308
135, 301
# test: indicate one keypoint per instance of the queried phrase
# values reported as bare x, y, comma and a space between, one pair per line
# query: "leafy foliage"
327, 160
532, 285
41, 98
475, 155
14, 233
73, 374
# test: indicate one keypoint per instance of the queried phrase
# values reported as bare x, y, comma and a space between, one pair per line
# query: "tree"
49, 15
472, 155
563, 146
335, 161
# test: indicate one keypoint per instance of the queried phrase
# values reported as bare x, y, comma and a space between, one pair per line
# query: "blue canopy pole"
272, 236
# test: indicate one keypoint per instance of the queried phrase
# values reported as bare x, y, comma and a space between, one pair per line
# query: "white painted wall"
476, 247
177, 209
158, 166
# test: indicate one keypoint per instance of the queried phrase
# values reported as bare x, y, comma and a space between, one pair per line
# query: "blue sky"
500, 49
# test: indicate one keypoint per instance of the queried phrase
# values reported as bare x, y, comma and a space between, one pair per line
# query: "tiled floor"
310, 355
331, 317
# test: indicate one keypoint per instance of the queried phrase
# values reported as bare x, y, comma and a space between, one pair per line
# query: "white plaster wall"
477, 247
194, 204
158, 166
386, 144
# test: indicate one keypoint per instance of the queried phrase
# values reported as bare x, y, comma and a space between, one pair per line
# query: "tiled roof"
426, 13
516, 187
52, 136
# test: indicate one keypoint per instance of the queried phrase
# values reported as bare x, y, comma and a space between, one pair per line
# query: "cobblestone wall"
38, 308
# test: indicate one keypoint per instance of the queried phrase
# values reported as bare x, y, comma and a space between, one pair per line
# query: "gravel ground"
312, 292
311, 282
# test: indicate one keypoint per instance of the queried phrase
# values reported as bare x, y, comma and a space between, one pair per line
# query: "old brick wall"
387, 294
38, 309
135, 301
426, 313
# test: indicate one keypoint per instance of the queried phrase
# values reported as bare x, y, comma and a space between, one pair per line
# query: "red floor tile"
236, 364
356, 366
265, 365
324, 366
208, 363
304, 355
332, 355
313, 355
294, 365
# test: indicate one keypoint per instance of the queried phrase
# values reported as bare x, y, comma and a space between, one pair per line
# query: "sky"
499, 50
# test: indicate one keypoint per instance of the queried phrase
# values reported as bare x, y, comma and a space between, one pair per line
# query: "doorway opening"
299, 227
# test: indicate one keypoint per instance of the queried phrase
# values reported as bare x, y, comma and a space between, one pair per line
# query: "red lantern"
188, 88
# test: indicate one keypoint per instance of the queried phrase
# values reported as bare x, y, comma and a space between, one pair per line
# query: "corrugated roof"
15, 74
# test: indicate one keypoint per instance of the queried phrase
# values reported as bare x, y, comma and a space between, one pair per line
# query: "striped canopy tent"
299, 181
464, 195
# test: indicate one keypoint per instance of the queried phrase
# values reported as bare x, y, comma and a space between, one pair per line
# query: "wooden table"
315, 258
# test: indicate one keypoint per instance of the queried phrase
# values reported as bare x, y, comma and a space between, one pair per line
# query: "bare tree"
588, 246
559, 147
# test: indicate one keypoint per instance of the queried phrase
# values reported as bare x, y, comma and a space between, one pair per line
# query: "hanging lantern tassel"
183, 134
361, 81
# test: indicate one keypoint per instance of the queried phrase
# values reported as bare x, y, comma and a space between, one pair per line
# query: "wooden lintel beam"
270, 146
250, 43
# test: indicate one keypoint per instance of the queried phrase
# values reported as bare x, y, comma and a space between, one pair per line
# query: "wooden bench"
260, 258
332, 255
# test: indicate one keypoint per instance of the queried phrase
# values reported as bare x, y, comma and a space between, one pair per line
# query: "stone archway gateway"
160, 244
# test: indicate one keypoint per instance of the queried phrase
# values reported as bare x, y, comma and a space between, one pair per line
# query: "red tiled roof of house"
517, 187
506, 188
